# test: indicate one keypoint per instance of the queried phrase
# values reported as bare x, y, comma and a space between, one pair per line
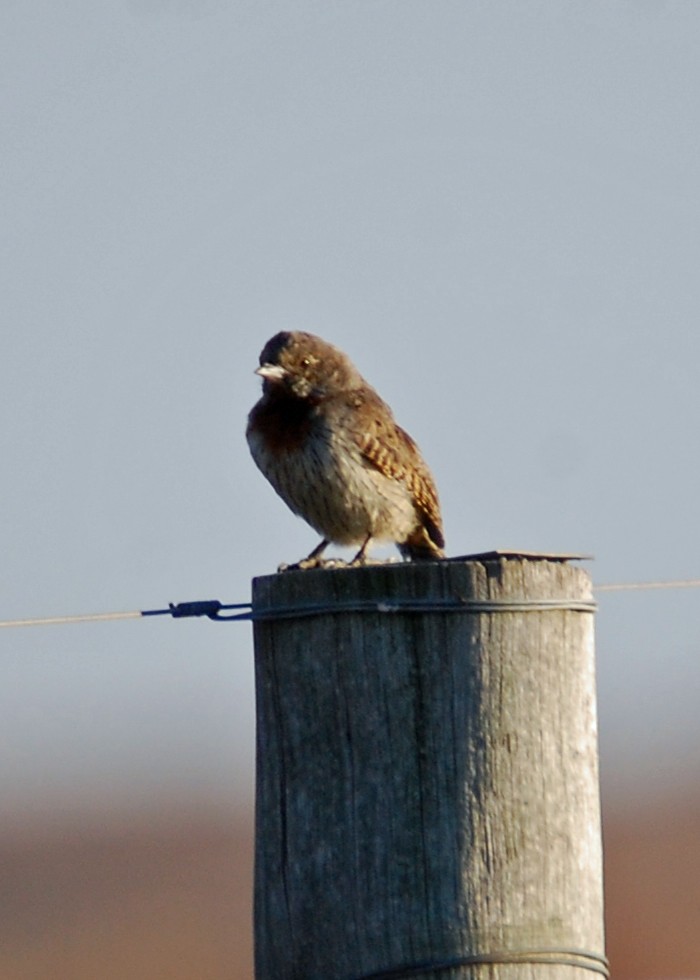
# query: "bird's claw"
306, 563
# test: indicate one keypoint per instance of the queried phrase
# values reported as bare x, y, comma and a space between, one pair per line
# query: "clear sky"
493, 207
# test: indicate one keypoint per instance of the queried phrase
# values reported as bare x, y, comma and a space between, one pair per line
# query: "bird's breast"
280, 426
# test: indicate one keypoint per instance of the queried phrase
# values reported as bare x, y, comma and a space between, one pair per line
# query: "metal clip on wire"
211, 608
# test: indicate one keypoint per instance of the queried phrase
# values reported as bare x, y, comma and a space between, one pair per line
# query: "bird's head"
302, 365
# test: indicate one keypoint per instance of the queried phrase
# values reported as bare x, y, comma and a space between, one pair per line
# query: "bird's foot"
314, 560
310, 562
361, 556
360, 560
367, 562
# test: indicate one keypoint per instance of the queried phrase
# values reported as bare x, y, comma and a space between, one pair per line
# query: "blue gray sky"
492, 206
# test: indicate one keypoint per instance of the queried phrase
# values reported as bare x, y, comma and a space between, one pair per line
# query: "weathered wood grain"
427, 783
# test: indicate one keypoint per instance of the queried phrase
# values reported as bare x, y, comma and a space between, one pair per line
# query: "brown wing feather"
393, 452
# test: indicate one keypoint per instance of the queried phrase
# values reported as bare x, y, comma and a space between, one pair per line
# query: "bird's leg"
361, 556
312, 560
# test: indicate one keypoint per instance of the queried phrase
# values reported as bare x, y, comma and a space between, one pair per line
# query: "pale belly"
335, 492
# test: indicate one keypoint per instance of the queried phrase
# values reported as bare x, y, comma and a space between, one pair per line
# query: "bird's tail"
420, 546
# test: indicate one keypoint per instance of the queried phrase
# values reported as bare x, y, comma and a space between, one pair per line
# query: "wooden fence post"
427, 777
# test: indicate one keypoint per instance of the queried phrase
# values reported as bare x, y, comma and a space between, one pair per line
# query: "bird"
330, 447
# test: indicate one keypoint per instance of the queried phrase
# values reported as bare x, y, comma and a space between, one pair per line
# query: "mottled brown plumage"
330, 447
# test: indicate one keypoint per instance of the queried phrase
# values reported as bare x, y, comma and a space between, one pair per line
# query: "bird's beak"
271, 372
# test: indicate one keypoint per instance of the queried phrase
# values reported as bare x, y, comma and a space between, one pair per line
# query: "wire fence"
243, 612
